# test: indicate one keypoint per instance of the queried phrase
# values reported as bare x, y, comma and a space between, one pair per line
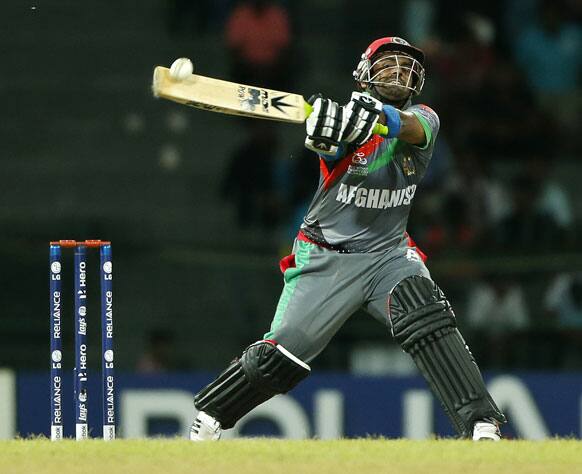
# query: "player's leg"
265, 369
422, 321
315, 302
425, 326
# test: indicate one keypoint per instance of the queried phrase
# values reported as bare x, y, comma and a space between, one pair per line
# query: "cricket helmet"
393, 77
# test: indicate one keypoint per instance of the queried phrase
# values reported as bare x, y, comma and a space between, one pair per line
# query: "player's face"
392, 75
392, 67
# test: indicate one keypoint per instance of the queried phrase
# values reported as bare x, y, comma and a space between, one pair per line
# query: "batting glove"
324, 126
360, 116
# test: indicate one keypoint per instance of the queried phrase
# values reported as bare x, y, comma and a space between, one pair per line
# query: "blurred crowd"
504, 77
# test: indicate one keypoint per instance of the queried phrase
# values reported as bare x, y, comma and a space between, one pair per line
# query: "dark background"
86, 152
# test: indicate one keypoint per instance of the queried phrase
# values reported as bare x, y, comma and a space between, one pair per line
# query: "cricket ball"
181, 68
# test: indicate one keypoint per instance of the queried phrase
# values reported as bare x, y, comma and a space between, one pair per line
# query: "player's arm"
331, 128
363, 112
404, 125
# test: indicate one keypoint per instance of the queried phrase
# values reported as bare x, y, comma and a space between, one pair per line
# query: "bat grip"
378, 129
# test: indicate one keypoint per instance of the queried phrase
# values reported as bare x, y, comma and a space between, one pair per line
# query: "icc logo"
359, 159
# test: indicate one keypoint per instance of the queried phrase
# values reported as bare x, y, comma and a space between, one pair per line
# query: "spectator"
526, 229
250, 175
158, 354
564, 301
501, 117
418, 19
258, 36
496, 309
459, 77
548, 51
552, 199
497, 304
456, 218
441, 166
469, 56
563, 304
483, 191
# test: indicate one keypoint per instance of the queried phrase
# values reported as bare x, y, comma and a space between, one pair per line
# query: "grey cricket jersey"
364, 198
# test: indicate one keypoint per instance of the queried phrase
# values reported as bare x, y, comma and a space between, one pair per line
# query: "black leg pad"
424, 324
265, 369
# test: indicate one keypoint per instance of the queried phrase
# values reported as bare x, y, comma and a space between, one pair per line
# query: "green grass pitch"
258, 456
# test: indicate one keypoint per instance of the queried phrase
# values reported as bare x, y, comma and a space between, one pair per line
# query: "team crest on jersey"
408, 166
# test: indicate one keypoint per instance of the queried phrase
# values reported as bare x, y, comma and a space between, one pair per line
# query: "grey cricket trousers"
323, 288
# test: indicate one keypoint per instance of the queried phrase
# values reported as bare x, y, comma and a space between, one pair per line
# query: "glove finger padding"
324, 126
359, 118
314, 97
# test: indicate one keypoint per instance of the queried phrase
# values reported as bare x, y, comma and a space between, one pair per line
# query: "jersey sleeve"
430, 123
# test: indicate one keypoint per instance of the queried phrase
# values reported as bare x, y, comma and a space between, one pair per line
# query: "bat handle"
378, 129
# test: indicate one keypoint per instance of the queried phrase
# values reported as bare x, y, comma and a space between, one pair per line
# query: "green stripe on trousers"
291, 277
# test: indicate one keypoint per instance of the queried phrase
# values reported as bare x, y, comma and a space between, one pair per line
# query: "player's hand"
324, 126
360, 116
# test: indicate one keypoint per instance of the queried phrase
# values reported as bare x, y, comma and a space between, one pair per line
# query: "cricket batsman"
352, 251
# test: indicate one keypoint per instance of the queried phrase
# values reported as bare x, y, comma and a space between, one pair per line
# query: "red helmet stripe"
394, 43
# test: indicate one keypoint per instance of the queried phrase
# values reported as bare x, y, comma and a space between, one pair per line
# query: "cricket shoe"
486, 430
205, 428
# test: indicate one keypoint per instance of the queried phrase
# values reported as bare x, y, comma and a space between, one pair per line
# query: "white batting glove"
324, 126
360, 116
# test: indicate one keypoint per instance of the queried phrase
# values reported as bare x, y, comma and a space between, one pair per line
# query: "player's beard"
392, 92
391, 86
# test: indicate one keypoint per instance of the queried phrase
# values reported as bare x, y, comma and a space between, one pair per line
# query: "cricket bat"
231, 98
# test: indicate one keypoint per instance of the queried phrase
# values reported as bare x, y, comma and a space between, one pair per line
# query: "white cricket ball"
181, 68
